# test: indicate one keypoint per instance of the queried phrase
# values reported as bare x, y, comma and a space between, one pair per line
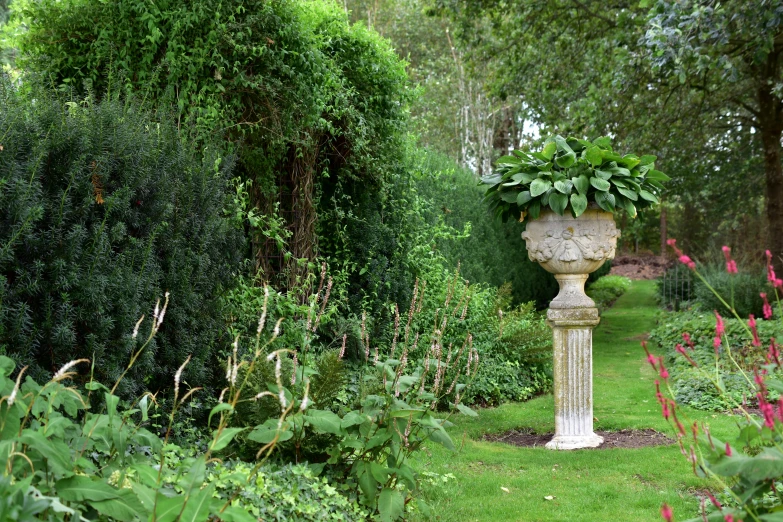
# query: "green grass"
587, 485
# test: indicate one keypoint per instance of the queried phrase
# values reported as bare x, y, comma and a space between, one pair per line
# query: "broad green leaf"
236, 514
56, 453
600, 184
647, 160
197, 508
80, 488
604, 142
7, 366
628, 193
223, 406
226, 436
549, 150
391, 505
509, 196
603, 174
649, 196
566, 160
593, 155
367, 482
563, 145
168, 509
126, 507
508, 160
564, 186
581, 183
764, 466
352, 418
380, 473
578, 204
266, 434
605, 200
491, 179
534, 209
539, 186
467, 411
558, 202
524, 197
657, 175
441, 437
324, 421
630, 161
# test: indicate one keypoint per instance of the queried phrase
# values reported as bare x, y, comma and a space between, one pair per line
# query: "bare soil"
612, 439
640, 267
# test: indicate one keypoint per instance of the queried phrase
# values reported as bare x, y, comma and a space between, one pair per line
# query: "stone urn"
572, 248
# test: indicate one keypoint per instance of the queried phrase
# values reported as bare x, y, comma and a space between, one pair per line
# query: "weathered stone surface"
572, 249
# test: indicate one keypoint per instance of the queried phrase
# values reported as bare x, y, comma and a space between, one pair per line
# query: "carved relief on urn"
572, 248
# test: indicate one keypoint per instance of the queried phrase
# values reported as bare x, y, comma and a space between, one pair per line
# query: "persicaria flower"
731, 265
687, 338
673, 243
681, 349
716, 344
664, 373
666, 513
650, 357
767, 411
754, 331
720, 327
728, 450
687, 261
767, 308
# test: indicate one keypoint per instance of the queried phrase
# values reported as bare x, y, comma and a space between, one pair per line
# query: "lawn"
496, 481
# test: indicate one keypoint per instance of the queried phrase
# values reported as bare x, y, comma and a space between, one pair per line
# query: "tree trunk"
770, 129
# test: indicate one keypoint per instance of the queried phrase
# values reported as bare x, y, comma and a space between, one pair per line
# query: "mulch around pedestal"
612, 439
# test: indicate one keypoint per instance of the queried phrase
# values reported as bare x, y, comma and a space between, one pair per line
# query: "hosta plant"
567, 175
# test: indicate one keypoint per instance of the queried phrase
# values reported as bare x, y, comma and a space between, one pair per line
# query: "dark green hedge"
102, 210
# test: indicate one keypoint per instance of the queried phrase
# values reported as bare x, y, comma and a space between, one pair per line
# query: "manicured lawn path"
613, 485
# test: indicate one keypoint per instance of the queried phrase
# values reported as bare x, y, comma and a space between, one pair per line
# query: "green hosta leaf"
604, 142
545, 197
563, 145
539, 186
603, 174
581, 183
226, 436
558, 202
593, 155
391, 505
605, 200
600, 184
466, 411
657, 175
508, 160
549, 150
524, 197
629, 207
628, 193
647, 160
649, 196
509, 196
534, 209
491, 179
545, 167
566, 160
324, 421
539, 156
564, 186
578, 204
630, 161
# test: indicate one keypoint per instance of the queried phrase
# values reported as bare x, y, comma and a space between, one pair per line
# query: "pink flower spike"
731, 266
664, 373
673, 243
716, 344
687, 338
728, 518
720, 327
650, 357
666, 513
726, 252
728, 450
687, 261
754, 331
769, 256
714, 500
767, 309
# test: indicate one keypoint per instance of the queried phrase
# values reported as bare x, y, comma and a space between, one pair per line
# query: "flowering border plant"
750, 468
567, 174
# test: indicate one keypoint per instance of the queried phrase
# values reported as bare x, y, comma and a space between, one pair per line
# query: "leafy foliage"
102, 210
570, 174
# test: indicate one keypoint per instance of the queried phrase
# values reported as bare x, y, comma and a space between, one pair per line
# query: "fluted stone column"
572, 249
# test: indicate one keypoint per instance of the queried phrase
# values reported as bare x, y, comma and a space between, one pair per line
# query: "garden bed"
612, 439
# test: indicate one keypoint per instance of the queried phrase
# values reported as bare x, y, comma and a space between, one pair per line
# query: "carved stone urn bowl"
572, 248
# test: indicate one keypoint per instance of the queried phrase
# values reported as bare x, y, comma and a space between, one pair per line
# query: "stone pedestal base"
573, 371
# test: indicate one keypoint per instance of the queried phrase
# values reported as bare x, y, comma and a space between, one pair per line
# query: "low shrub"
740, 290
690, 386
607, 289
